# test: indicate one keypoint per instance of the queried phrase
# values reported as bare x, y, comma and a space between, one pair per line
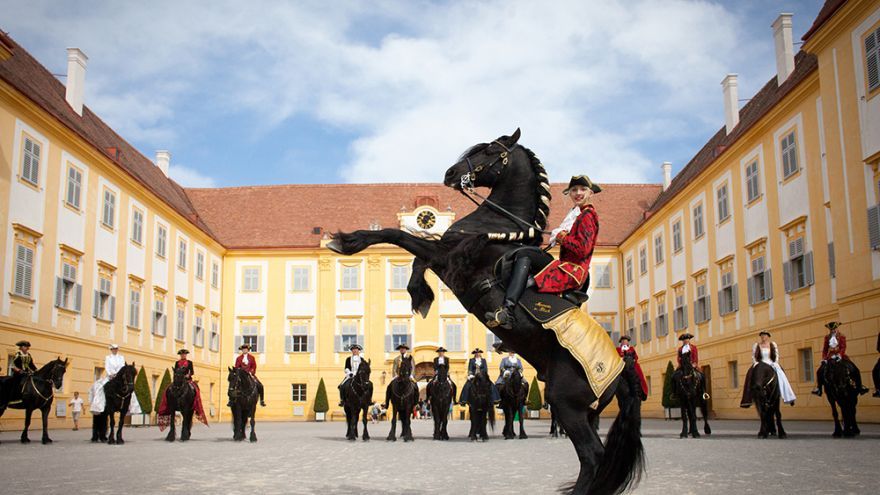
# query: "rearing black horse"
463, 259
37, 391
358, 394
404, 395
513, 398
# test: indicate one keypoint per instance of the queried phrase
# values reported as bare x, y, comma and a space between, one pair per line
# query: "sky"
273, 92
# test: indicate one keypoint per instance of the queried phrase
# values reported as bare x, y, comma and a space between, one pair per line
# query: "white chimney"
731, 102
163, 160
667, 174
76, 79
784, 47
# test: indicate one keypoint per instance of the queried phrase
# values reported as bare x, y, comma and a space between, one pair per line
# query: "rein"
37, 390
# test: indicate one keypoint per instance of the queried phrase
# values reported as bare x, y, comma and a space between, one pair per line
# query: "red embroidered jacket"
632, 352
828, 352
575, 252
251, 367
694, 356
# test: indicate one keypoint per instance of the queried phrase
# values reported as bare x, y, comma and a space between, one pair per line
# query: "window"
805, 358
753, 184
137, 227
629, 270
643, 260
301, 278
159, 322
631, 327
200, 265
74, 187
603, 276
108, 213
662, 328
680, 314
180, 329
727, 297
351, 278
798, 270
733, 371
215, 274
134, 307
399, 334
298, 340
161, 238
214, 342
676, 236
105, 303
30, 162
251, 279
181, 254
250, 335
760, 283
702, 306
298, 392
789, 155
347, 336
454, 334
698, 221
399, 276
68, 293
645, 327
658, 249
872, 59
24, 271
198, 331
832, 266
608, 326
723, 206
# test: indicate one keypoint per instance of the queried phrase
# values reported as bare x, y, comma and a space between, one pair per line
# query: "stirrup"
494, 322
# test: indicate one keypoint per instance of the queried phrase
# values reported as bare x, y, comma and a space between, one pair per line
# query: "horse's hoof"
253, 439
707, 430
25, 440
390, 439
523, 437
696, 434
111, 442
170, 439
484, 440
120, 442
848, 434
683, 435
782, 436
366, 439
351, 439
47, 441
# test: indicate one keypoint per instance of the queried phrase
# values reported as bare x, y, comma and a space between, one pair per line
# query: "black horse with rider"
357, 396
33, 389
243, 396
690, 389
441, 392
403, 394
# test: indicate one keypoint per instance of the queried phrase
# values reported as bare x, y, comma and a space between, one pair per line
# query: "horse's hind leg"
406, 426
392, 435
253, 437
780, 431
584, 438
704, 408
522, 428
693, 421
119, 440
111, 440
366, 413
27, 425
45, 411
684, 421
838, 432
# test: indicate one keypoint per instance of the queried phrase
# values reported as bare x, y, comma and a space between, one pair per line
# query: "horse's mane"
542, 189
49, 366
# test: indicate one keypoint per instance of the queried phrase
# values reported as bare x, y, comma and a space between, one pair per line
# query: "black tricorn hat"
355, 346
685, 336
441, 349
244, 346
582, 180
402, 346
22, 343
831, 325
477, 351
183, 351
764, 332
624, 337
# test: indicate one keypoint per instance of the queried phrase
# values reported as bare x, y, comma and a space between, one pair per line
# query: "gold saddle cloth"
588, 342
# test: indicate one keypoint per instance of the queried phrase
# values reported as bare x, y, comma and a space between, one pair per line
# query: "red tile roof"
825, 13
24, 73
261, 217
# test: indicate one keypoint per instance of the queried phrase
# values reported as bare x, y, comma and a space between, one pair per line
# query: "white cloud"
189, 177
588, 82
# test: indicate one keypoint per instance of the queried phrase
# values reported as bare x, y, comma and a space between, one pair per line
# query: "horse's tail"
490, 414
623, 462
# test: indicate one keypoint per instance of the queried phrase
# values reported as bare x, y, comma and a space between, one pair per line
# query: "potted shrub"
322, 405
163, 385
533, 403
668, 401
142, 395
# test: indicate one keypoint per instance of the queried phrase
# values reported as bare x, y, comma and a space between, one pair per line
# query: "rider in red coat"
688, 349
834, 347
626, 349
247, 362
576, 238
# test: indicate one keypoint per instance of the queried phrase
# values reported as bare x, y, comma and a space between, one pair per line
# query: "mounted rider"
576, 236
688, 351
477, 364
395, 367
441, 361
22, 366
508, 365
766, 351
163, 414
625, 348
113, 363
248, 363
834, 347
352, 363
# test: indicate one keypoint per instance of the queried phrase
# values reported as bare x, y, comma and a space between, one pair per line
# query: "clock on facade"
426, 219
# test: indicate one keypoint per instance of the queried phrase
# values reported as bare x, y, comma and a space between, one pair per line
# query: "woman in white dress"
767, 351
113, 362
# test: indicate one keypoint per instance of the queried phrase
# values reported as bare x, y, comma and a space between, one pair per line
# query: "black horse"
766, 395
118, 393
441, 394
35, 391
358, 395
243, 393
180, 396
463, 259
404, 395
480, 406
556, 429
691, 393
842, 392
513, 399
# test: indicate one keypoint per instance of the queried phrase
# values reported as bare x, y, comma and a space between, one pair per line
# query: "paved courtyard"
314, 458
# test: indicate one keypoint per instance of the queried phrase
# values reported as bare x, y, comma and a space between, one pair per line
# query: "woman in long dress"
113, 362
765, 350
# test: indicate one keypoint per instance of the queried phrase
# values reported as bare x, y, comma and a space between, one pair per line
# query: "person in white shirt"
113, 362
76, 407
352, 363
765, 350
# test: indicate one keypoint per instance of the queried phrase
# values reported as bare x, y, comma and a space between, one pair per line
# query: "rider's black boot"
519, 278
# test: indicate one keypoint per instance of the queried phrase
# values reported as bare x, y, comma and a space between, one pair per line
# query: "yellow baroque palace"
774, 224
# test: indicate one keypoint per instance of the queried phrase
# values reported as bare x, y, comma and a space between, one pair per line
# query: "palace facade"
774, 224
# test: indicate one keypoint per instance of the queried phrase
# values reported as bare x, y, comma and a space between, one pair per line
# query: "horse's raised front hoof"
334, 246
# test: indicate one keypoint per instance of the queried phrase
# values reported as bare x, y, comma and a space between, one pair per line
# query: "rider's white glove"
470, 376
507, 373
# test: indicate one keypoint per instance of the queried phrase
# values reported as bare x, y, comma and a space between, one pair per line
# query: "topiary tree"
668, 401
142, 392
534, 403
166, 382
321, 403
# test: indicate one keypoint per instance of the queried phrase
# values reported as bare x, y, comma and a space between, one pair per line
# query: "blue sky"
265, 92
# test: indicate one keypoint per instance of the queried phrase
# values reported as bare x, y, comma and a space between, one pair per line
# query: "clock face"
426, 219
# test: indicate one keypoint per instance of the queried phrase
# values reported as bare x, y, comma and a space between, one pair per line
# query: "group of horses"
403, 395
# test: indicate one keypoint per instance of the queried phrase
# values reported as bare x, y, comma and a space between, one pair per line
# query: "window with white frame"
30, 161
631, 327
872, 59
645, 327
200, 265
105, 302
250, 335
454, 336
676, 236
251, 279
68, 293
727, 296
702, 305
108, 212
761, 282
198, 330
348, 335
161, 241
399, 276
788, 148
658, 249
181, 254
214, 338
134, 307
723, 204
629, 270
643, 260
180, 328
298, 392
351, 278
798, 270
137, 226
399, 334
301, 278
832, 265
608, 326
661, 326
733, 371
159, 326
74, 187
753, 181
215, 274
679, 314
698, 221
298, 340
602, 273
805, 357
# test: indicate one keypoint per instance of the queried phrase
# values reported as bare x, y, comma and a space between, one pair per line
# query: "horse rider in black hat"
441, 361
22, 365
352, 363
477, 364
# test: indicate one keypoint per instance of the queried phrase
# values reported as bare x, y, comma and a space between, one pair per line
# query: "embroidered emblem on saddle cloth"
588, 342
